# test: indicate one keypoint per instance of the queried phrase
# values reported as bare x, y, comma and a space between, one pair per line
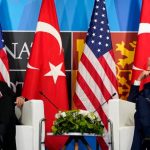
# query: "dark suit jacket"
7, 117
7, 99
142, 100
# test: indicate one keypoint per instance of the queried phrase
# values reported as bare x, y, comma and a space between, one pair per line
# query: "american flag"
96, 77
4, 67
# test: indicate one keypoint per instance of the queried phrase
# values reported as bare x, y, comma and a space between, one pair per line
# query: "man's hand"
20, 101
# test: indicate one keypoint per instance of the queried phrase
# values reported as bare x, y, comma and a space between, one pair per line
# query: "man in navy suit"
8, 120
142, 115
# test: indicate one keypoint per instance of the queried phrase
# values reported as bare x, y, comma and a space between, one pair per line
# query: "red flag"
142, 52
96, 77
46, 70
4, 67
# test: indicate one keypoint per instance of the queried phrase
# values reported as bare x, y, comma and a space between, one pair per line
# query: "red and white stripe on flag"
96, 77
4, 66
142, 52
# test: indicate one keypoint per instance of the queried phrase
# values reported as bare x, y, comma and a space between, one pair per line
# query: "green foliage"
77, 121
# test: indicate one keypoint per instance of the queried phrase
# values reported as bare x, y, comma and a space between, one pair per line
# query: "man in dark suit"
8, 120
142, 115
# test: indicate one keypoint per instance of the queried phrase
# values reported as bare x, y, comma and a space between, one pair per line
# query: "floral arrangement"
77, 121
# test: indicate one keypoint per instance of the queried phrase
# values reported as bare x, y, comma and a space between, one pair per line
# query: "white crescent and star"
31, 67
45, 27
55, 71
136, 68
143, 28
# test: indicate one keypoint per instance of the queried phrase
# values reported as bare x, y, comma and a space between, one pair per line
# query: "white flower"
58, 115
83, 112
63, 114
91, 116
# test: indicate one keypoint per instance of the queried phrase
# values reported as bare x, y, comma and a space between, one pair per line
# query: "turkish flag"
142, 52
46, 71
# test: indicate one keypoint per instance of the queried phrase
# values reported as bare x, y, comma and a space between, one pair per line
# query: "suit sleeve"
134, 93
7, 91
